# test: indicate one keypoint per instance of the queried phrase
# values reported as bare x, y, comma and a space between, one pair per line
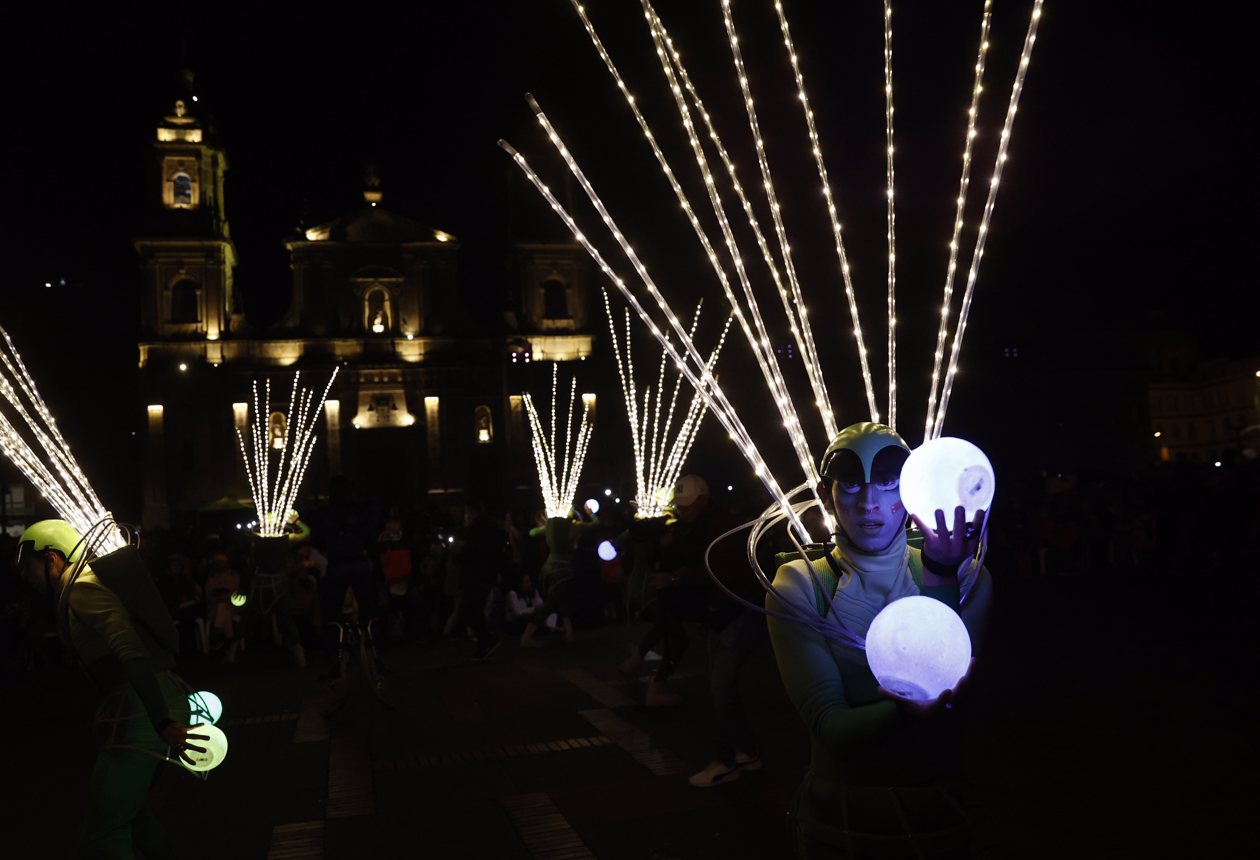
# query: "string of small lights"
700, 376
973, 113
659, 456
892, 221
49, 465
559, 469
274, 490
1004, 140
832, 213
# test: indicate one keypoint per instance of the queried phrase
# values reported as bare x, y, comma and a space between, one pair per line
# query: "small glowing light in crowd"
48, 285
216, 748
183, 367
238, 525
238, 599
194, 98
918, 648
205, 704
451, 539
1217, 464
592, 505
441, 236
942, 474
606, 550
617, 501
607, 493
1159, 433
730, 487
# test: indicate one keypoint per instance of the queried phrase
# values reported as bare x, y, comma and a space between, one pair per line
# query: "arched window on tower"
376, 311
185, 301
182, 191
555, 300
483, 424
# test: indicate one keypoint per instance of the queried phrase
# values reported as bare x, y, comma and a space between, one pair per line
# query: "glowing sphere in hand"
918, 648
216, 747
238, 599
606, 551
942, 474
205, 704
592, 506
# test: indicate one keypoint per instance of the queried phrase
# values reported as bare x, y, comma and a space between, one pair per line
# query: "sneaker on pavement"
716, 773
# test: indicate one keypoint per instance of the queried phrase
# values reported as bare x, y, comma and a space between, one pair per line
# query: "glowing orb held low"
606, 550
205, 704
216, 747
942, 474
918, 648
592, 505
238, 599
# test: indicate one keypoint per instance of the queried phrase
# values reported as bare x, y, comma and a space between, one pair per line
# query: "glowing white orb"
606, 550
216, 747
238, 599
918, 648
942, 474
205, 704
607, 493
592, 505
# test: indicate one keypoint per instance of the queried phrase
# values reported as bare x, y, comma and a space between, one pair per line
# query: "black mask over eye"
847, 471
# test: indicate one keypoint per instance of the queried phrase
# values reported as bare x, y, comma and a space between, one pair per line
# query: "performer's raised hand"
949, 547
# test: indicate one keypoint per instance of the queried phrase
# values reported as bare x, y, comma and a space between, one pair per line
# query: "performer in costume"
145, 708
879, 771
561, 534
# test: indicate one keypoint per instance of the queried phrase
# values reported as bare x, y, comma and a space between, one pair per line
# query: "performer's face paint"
869, 512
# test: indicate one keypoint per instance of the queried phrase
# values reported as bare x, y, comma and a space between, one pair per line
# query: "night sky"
1124, 209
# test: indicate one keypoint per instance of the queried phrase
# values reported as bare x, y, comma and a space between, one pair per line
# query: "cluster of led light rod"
697, 373
815, 146
1025, 57
48, 464
658, 455
274, 485
559, 469
973, 113
759, 340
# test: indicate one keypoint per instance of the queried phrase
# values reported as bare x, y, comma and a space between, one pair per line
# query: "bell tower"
187, 256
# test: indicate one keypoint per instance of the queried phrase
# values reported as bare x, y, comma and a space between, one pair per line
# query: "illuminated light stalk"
765, 353
658, 460
700, 376
559, 471
49, 465
793, 305
973, 113
1017, 87
892, 222
758, 341
832, 211
274, 489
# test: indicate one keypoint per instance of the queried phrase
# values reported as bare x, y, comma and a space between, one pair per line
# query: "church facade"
425, 406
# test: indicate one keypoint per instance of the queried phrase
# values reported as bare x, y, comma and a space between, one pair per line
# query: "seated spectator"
520, 606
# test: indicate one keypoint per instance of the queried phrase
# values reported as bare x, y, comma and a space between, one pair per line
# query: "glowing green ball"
205, 704
238, 599
216, 747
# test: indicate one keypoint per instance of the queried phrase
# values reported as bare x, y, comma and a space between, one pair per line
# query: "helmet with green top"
56, 535
865, 443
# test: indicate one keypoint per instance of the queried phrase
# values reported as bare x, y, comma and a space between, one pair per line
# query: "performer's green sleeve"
814, 683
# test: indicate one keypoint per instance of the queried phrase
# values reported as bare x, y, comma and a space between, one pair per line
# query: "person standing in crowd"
343, 535
395, 560
882, 768
485, 554
129, 652
561, 534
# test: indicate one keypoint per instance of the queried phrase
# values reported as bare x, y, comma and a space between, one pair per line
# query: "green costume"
878, 783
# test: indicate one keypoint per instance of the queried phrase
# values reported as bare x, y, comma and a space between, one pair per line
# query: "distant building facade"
423, 404
1210, 416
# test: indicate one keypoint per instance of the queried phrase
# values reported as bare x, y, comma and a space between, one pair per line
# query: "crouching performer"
880, 781
120, 632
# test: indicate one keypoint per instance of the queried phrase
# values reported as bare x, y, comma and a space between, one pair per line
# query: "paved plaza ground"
1105, 720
